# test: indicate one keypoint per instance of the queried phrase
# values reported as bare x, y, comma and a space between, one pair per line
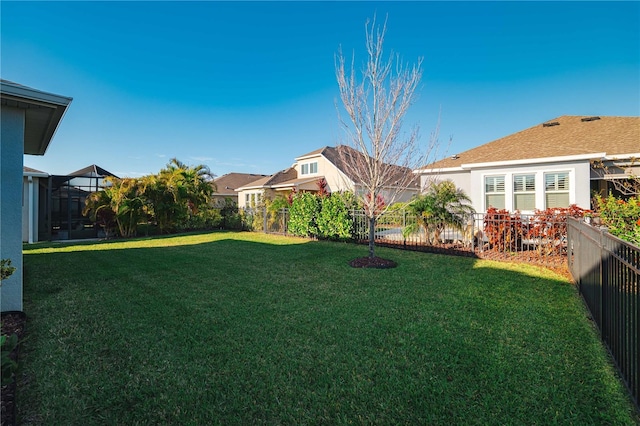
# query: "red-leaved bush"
544, 231
503, 229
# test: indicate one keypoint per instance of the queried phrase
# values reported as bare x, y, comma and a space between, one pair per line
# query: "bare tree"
624, 174
376, 102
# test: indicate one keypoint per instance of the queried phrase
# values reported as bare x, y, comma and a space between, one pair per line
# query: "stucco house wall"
32, 204
578, 184
567, 144
336, 180
12, 123
28, 121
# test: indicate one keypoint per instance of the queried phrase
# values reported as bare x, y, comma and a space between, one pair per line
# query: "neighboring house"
303, 176
28, 121
226, 185
67, 195
35, 210
548, 165
52, 205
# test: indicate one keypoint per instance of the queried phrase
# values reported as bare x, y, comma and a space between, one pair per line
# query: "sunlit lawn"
244, 328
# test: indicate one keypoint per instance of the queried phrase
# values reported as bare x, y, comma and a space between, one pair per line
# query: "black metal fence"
516, 237
606, 270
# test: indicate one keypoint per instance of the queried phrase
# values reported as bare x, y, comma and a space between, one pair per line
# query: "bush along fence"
539, 238
606, 270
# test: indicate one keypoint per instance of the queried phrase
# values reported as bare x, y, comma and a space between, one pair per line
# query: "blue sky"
248, 86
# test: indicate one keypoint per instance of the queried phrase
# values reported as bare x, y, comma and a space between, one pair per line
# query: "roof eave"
43, 113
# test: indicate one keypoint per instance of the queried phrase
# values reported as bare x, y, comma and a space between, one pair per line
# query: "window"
556, 189
247, 200
524, 192
494, 191
309, 168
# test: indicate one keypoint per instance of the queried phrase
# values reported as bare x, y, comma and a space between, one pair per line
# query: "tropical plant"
503, 230
177, 194
121, 202
128, 203
548, 228
443, 205
98, 209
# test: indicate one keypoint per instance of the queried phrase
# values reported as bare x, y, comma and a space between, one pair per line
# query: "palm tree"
177, 192
443, 205
121, 201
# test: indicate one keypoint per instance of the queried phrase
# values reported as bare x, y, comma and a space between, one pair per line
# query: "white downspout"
31, 207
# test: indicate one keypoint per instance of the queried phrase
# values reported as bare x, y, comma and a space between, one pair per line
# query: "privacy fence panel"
606, 270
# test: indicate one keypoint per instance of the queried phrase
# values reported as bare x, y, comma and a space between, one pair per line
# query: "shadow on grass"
247, 328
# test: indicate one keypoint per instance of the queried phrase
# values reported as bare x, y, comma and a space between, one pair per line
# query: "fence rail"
528, 238
606, 270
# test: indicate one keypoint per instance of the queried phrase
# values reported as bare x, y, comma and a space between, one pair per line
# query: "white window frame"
556, 187
526, 190
310, 168
495, 191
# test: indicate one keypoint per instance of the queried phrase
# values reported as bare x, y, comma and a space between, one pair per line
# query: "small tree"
443, 205
380, 157
623, 175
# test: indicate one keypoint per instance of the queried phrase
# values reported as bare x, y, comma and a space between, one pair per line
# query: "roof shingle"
563, 136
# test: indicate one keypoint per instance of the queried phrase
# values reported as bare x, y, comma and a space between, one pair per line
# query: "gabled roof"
28, 171
338, 156
43, 113
565, 136
270, 181
335, 155
92, 171
228, 183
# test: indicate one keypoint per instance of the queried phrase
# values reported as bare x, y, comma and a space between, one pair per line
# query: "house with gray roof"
326, 163
226, 185
551, 164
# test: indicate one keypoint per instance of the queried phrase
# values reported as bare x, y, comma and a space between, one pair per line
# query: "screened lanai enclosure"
67, 200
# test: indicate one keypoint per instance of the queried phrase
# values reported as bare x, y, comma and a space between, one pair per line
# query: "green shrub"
334, 220
622, 218
6, 269
7, 343
303, 215
231, 218
9, 366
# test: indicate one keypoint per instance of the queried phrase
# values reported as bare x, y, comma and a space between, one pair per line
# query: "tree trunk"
372, 235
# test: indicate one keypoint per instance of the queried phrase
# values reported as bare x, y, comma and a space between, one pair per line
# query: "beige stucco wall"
336, 181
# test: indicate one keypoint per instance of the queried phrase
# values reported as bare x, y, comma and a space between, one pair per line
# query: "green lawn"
245, 328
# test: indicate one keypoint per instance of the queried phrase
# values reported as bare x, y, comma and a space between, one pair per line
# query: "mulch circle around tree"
12, 322
372, 262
